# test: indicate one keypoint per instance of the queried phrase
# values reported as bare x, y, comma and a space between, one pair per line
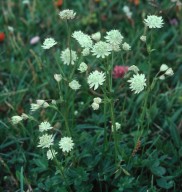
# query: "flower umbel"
66, 144
101, 49
137, 83
83, 39
48, 43
74, 85
68, 57
95, 79
82, 67
45, 141
44, 126
51, 153
67, 14
153, 21
114, 37
16, 119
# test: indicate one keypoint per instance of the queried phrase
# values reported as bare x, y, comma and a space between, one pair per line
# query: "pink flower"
119, 71
34, 40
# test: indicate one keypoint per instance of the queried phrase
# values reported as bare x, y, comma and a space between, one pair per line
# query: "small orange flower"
59, 3
2, 36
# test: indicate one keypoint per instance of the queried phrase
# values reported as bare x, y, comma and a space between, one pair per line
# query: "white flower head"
154, 21
67, 14
169, 72
126, 46
101, 49
95, 106
34, 107
16, 119
164, 67
42, 103
133, 68
26, 2
96, 36
82, 67
74, 85
45, 126
162, 77
95, 79
86, 52
97, 100
51, 153
68, 57
66, 144
137, 83
114, 38
75, 112
127, 11
48, 43
45, 141
24, 116
58, 77
143, 38
83, 39
118, 126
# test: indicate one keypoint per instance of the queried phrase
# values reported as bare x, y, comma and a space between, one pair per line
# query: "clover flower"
58, 77
154, 21
95, 79
119, 71
45, 141
83, 39
95, 106
67, 14
114, 37
101, 49
66, 144
68, 57
82, 67
118, 126
51, 153
74, 85
137, 83
45, 126
126, 46
48, 43
96, 36
16, 119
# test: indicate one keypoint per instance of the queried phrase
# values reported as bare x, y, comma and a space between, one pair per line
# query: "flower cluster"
95, 79
153, 21
117, 125
137, 83
48, 43
119, 71
74, 85
96, 102
67, 14
66, 144
114, 38
68, 57
83, 67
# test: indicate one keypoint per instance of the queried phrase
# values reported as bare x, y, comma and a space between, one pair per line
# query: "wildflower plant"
76, 76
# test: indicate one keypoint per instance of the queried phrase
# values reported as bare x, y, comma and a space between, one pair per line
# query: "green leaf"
162, 182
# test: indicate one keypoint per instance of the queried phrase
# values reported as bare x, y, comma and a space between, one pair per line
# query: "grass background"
26, 74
